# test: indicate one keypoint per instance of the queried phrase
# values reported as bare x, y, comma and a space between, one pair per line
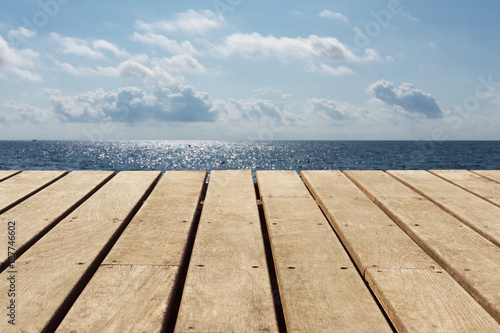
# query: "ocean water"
255, 155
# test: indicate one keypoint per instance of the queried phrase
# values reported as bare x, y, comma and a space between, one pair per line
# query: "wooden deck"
326, 251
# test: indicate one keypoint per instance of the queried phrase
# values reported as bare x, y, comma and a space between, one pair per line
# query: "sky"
249, 70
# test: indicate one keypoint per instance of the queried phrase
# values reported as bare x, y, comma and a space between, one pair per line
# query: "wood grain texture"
371, 237
40, 212
401, 274
467, 256
320, 288
482, 187
134, 286
4, 174
54, 270
379, 188
490, 174
423, 300
478, 214
123, 298
227, 286
17, 188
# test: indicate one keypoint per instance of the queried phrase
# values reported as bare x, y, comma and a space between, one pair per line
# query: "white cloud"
192, 22
135, 105
250, 110
80, 47
333, 15
408, 97
270, 94
133, 69
27, 112
22, 33
313, 47
156, 40
181, 63
333, 110
76, 46
266, 104
15, 62
105, 45
329, 70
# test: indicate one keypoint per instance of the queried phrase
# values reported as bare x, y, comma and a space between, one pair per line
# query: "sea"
254, 155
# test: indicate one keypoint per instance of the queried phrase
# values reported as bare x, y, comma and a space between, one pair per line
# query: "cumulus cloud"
265, 104
333, 110
313, 47
333, 15
329, 70
157, 40
132, 104
408, 97
27, 112
191, 22
16, 62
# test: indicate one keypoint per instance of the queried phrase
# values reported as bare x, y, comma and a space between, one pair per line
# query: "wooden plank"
480, 215
413, 289
363, 228
467, 256
134, 286
24, 184
51, 274
482, 187
4, 174
434, 302
40, 212
320, 288
227, 286
490, 174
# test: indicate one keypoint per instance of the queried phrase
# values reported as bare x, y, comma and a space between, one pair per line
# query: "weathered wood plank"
490, 174
55, 269
468, 257
40, 212
371, 237
482, 187
413, 289
227, 286
320, 288
24, 184
480, 215
4, 174
134, 286
428, 301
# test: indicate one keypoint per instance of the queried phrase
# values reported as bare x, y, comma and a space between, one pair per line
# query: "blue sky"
240, 69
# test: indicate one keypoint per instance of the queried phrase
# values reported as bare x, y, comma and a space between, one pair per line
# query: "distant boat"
34, 140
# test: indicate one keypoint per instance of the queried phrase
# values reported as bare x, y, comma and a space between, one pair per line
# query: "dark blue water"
255, 155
